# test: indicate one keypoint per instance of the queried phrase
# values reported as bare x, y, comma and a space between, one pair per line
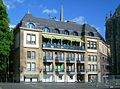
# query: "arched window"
57, 31
31, 25
82, 33
66, 32
46, 29
90, 34
75, 33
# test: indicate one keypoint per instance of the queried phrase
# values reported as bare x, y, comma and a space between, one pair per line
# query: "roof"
51, 23
71, 26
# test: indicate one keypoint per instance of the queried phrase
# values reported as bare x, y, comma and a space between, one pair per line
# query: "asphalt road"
49, 86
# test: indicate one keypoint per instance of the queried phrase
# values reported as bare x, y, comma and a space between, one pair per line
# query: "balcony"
59, 59
59, 72
48, 71
81, 71
64, 46
70, 60
70, 71
48, 59
80, 60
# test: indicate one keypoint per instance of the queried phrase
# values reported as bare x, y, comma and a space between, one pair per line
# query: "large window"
31, 39
31, 25
47, 55
31, 54
31, 66
92, 58
48, 67
91, 45
92, 67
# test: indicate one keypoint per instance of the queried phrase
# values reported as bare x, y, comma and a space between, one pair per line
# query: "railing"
92, 70
47, 70
47, 58
63, 46
80, 60
59, 59
69, 59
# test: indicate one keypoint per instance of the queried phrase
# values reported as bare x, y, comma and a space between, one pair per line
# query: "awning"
77, 39
48, 36
58, 37
68, 38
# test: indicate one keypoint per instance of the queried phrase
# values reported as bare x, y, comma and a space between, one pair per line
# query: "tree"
5, 38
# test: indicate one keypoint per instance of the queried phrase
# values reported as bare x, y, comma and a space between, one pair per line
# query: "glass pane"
33, 66
28, 66
33, 55
33, 37
28, 37
28, 54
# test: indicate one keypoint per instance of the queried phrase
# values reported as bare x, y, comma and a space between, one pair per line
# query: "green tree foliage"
5, 36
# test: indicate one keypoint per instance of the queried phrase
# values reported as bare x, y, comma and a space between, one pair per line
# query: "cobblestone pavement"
49, 86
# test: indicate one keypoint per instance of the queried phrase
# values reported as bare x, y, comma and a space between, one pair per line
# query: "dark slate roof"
41, 22
51, 23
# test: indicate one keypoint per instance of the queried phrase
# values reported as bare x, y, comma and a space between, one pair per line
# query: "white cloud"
79, 20
10, 4
19, 1
49, 11
82, 20
11, 26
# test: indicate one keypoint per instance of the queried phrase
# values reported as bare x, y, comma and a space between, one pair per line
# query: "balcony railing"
45, 45
80, 60
59, 59
92, 70
48, 58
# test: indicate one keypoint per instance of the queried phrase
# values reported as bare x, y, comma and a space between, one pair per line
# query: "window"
31, 39
31, 54
31, 25
82, 57
92, 67
91, 45
31, 66
75, 34
28, 66
66, 32
72, 56
67, 56
77, 56
46, 29
92, 58
90, 34
57, 31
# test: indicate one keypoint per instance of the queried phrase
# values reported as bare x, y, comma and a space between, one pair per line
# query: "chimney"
61, 14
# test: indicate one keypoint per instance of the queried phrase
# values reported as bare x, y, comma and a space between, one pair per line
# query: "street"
49, 86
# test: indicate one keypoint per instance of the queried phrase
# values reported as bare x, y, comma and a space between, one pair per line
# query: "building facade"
113, 39
46, 50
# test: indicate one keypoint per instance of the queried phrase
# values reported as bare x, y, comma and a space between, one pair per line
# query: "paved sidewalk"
49, 86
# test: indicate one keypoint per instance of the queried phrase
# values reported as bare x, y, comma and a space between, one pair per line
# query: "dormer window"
31, 26
90, 34
66, 32
46, 29
57, 31
75, 34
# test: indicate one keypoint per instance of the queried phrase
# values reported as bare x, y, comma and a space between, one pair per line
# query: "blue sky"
92, 12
